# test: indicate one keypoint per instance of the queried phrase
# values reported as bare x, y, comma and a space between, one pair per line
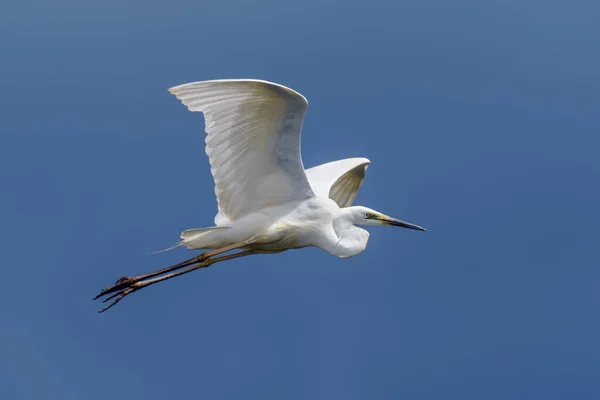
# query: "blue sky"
481, 120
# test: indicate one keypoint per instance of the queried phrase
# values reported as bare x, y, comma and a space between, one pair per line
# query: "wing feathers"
253, 142
339, 180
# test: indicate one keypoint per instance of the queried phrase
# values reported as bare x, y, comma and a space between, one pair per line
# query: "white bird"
267, 201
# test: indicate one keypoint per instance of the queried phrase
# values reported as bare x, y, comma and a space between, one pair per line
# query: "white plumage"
267, 201
265, 198
252, 142
338, 180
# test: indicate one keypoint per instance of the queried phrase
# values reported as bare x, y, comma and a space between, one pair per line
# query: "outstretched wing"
338, 180
253, 142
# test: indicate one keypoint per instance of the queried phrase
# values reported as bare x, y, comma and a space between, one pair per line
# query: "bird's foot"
120, 285
118, 295
126, 285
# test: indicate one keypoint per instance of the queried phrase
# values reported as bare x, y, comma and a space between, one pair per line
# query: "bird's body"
267, 202
294, 225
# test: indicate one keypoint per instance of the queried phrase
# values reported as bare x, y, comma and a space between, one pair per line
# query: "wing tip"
176, 89
360, 161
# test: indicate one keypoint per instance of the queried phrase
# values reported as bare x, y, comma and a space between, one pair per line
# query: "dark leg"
127, 281
135, 286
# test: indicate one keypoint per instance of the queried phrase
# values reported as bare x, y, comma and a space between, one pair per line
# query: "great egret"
267, 201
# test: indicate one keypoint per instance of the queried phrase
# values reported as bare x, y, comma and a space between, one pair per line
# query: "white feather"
253, 142
338, 180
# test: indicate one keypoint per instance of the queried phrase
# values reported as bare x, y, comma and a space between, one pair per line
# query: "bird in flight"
267, 201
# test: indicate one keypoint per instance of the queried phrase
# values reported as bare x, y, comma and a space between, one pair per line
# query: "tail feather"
178, 244
201, 238
190, 233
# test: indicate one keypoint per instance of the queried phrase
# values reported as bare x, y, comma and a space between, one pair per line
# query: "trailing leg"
119, 294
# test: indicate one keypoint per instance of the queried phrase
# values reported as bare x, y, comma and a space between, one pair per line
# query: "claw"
122, 283
117, 297
112, 296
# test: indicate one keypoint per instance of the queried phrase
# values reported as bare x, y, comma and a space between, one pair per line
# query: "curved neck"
352, 240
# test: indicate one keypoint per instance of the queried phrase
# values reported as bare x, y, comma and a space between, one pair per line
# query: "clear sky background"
481, 119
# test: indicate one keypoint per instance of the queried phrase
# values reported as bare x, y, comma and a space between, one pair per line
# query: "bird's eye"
369, 215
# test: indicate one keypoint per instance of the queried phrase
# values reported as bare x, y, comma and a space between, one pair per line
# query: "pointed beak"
396, 222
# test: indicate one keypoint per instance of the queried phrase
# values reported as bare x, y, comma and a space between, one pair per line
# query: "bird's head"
367, 216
